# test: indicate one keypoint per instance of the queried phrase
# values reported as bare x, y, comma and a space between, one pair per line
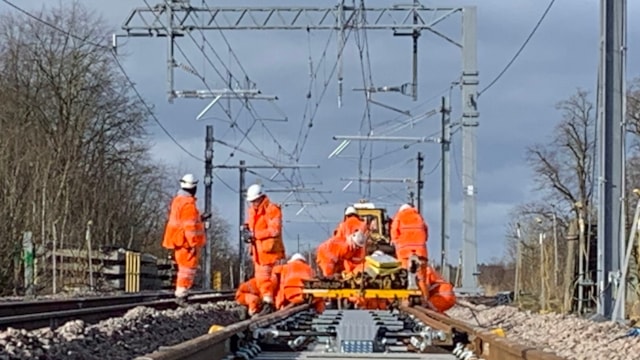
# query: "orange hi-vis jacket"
349, 225
335, 252
265, 222
441, 294
409, 234
184, 230
292, 282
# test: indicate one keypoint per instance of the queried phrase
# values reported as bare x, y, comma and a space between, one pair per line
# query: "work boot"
182, 301
267, 308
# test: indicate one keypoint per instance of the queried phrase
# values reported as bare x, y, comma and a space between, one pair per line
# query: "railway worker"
292, 283
248, 293
336, 254
409, 234
264, 222
441, 294
185, 234
350, 223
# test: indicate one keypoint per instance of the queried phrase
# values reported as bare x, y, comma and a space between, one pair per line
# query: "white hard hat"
297, 256
405, 207
377, 253
254, 192
357, 239
350, 210
188, 181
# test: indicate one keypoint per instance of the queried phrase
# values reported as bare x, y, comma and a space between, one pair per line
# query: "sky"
515, 113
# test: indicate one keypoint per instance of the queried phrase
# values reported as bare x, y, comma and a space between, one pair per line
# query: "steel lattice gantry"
176, 18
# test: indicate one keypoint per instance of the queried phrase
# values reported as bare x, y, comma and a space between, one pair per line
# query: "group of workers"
277, 283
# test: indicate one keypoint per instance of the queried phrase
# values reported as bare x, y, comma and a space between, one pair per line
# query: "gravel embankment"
568, 336
140, 331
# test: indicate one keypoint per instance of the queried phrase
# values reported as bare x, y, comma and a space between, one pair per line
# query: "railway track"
297, 333
53, 313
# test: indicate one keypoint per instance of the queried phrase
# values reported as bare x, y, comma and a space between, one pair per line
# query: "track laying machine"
382, 277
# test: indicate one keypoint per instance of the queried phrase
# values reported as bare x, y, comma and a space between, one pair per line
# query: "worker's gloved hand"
247, 235
205, 216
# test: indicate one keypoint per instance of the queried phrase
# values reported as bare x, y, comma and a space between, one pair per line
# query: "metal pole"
87, 238
170, 54
611, 223
415, 35
208, 194
445, 186
542, 287
54, 259
581, 260
298, 243
241, 257
555, 250
420, 182
516, 287
469, 128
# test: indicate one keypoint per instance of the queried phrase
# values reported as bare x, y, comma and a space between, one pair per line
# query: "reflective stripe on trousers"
434, 286
185, 276
411, 227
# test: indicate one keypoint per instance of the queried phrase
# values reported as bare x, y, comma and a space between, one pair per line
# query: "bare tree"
74, 143
563, 172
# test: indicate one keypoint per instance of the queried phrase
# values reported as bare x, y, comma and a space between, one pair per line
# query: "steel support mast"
208, 199
469, 128
611, 212
184, 18
420, 182
445, 188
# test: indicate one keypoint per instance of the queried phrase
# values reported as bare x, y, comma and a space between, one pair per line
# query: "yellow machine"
378, 224
382, 277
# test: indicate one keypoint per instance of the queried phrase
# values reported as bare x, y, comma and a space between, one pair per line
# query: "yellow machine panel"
363, 293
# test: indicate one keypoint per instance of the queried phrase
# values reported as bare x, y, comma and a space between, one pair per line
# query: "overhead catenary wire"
247, 104
522, 47
222, 77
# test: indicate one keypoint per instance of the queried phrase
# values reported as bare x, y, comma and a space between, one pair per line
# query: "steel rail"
215, 346
483, 343
93, 309
12, 308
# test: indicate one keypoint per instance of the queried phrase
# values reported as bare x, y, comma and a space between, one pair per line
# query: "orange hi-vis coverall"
336, 254
265, 222
349, 225
292, 283
185, 235
248, 293
441, 294
409, 235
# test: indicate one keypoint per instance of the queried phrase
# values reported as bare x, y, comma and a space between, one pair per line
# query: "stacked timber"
113, 270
